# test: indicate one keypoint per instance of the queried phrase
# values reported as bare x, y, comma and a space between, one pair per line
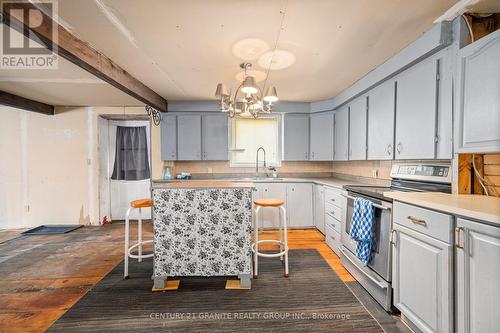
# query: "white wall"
49, 165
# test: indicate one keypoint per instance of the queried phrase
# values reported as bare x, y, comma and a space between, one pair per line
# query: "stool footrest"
135, 256
270, 255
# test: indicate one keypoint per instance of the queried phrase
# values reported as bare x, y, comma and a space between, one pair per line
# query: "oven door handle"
378, 283
374, 204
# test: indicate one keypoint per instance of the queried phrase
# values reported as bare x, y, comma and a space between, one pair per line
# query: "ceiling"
182, 49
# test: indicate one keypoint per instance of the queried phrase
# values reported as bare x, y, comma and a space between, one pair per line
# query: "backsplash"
222, 167
367, 169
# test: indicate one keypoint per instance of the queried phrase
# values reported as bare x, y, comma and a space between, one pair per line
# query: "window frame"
279, 139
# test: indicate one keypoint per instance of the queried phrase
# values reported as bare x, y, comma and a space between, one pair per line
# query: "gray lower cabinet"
215, 137
322, 136
416, 111
319, 207
299, 204
477, 276
299, 197
189, 137
296, 137
357, 129
422, 268
381, 117
478, 98
341, 134
168, 133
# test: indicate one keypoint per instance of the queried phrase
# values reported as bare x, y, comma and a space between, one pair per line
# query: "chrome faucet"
257, 161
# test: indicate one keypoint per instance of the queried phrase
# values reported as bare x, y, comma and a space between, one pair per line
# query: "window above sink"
248, 134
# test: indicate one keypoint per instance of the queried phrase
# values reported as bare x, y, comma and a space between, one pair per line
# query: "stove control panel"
440, 173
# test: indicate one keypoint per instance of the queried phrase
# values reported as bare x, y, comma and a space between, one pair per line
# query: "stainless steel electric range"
376, 276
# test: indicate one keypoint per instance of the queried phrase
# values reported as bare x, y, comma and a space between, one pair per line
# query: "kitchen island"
202, 229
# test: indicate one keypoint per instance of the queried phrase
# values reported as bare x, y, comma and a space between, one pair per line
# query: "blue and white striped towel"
363, 228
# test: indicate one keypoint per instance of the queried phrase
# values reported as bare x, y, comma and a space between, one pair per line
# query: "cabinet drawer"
333, 197
428, 222
333, 211
332, 239
332, 222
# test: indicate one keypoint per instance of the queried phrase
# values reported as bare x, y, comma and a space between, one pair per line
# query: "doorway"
118, 185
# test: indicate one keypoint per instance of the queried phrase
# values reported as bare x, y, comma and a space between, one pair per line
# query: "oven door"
381, 250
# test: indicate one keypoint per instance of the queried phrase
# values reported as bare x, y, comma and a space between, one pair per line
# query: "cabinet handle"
399, 147
458, 238
389, 150
417, 221
393, 239
332, 212
332, 199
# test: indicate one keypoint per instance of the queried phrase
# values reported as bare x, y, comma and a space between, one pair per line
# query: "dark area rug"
312, 299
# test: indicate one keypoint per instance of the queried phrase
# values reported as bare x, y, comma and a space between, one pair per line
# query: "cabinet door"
381, 113
168, 137
357, 129
319, 207
479, 95
269, 216
296, 137
189, 137
416, 111
322, 137
215, 137
422, 280
478, 276
342, 135
299, 205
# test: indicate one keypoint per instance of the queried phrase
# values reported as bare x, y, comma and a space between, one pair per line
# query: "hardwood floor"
43, 276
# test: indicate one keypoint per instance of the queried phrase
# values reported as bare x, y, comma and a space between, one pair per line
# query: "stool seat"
141, 203
269, 202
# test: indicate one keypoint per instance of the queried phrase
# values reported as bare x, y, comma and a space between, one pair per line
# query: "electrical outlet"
209, 170
375, 173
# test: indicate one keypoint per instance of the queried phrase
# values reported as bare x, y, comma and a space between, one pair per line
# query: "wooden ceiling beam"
84, 56
25, 103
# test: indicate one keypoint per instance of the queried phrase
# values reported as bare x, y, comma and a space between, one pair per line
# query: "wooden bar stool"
136, 204
283, 241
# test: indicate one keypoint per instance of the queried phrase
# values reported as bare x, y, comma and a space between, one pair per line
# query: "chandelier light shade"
249, 86
221, 91
248, 99
271, 96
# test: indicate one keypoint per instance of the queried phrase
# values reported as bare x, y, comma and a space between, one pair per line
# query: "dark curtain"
131, 156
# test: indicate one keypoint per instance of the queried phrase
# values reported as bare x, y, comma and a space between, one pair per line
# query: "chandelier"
248, 99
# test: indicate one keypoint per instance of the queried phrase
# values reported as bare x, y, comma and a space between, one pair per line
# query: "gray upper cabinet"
416, 111
322, 137
381, 112
342, 135
478, 98
478, 273
189, 137
215, 137
357, 129
296, 137
168, 132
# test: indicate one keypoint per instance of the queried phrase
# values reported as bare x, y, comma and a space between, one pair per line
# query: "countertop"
203, 184
476, 207
333, 182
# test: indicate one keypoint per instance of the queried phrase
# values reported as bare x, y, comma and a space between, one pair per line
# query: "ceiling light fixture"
248, 99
